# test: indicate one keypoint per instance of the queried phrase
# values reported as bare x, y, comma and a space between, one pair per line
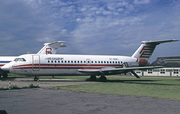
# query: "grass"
161, 88
15, 87
157, 88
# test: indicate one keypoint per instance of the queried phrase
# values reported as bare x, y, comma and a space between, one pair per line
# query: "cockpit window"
19, 59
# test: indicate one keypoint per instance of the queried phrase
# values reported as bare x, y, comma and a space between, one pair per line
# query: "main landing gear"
102, 78
135, 74
4, 75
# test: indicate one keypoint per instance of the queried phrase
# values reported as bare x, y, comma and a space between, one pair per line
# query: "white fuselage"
48, 63
39, 65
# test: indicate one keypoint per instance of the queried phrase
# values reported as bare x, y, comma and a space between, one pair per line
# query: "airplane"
49, 48
83, 65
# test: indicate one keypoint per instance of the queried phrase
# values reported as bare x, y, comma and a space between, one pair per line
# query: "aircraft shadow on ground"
10, 78
146, 82
41, 79
138, 81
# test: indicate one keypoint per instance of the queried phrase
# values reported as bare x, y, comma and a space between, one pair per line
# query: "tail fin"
144, 52
51, 48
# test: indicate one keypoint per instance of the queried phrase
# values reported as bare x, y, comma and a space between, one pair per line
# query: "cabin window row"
87, 62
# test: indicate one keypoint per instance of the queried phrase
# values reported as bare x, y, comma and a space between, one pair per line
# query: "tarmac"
25, 82
46, 101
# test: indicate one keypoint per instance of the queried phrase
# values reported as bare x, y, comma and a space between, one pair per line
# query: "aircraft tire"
3, 112
103, 78
93, 77
5, 75
35, 79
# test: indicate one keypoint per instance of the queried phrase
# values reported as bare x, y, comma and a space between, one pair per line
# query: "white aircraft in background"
69, 65
49, 48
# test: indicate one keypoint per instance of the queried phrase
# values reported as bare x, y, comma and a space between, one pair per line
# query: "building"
171, 67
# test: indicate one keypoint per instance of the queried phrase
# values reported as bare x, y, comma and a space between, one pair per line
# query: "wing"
113, 69
130, 68
89, 70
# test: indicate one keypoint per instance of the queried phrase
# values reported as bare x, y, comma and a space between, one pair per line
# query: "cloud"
141, 1
93, 27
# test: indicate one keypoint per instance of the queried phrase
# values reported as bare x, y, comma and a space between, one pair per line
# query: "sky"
97, 27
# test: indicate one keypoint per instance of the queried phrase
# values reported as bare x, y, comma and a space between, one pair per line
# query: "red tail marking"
48, 50
144, 55
146, 52
142, 49
142, 62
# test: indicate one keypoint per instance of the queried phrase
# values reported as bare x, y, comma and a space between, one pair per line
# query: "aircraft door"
36, 62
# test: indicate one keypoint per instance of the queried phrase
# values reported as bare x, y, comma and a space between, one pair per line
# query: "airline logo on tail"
146, 51
48, 51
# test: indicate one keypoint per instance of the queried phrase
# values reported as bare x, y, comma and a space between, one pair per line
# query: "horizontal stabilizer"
51, 48
158, 42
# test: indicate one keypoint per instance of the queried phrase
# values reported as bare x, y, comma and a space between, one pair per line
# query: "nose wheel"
36, 79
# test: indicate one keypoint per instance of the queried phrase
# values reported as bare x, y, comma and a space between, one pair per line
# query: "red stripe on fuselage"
68, 65
63, 66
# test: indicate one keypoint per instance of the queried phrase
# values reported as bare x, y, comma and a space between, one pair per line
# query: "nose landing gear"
36, 78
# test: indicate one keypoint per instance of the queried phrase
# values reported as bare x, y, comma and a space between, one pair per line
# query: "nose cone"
6, 67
